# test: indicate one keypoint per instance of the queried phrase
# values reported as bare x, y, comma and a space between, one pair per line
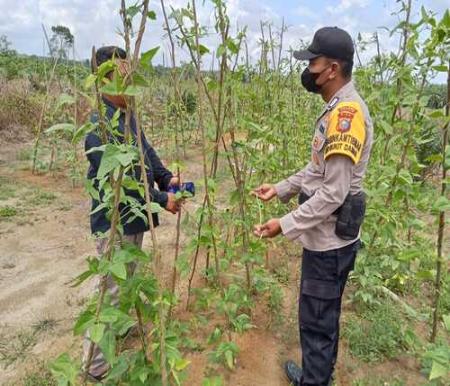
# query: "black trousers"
323, 279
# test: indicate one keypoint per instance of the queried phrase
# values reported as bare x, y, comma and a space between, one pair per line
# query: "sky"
97, 22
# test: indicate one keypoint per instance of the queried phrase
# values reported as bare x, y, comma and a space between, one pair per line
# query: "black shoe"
293, 373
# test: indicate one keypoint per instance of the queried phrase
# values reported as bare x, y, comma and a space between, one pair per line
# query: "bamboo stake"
441, 228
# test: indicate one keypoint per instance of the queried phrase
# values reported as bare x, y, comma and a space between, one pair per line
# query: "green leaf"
406, 177
89, 81
446, 19
442, 204
109, 160
67, 127
437, 370
181, 364
129, 253
447, 158
109, 314
96, 332
139, 80
155, 207
437, 114
84, 321
132, 11
446, 319
203, 49
113, 87
147, 57
215, 336
386, 127
119, 270
108, 346
440, 68
81, 278
64, 370
127, 158
104, 69
82, 131
151, 15
132, 91
118, 369
232, 46
229, 359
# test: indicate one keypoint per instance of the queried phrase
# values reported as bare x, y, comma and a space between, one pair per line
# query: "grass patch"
45, 325
376, 381
39, 377
378, 333
13, 348
16, 347
40, 197
7, 188
7, 211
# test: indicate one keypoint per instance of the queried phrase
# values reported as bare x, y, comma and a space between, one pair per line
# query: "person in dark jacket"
133, 225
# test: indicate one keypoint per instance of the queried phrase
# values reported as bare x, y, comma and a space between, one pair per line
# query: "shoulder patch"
346, 131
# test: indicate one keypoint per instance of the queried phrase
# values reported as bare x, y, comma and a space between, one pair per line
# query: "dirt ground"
44, 245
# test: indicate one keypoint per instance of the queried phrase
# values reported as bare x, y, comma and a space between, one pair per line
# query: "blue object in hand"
185, 187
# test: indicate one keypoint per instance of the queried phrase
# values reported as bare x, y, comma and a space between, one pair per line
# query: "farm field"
36, 276
210, 303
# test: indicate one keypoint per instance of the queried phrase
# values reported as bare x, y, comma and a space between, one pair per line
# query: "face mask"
309, 80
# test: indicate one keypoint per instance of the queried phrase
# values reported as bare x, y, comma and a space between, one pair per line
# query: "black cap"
332, 42
103, 54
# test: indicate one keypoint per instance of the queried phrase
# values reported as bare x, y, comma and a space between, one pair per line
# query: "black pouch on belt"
350, 215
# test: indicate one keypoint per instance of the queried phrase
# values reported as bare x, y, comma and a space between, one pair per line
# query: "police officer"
327, 221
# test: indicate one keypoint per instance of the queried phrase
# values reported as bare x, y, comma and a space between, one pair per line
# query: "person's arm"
329, 197
159, 197
291, 186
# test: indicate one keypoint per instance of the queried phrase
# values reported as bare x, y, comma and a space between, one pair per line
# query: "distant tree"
5, 45
61, 42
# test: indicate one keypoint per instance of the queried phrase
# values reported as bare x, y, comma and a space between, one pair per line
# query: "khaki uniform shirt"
339, 156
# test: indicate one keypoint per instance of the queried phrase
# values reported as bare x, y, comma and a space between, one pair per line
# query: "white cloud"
347, 6
96, 23
307, 12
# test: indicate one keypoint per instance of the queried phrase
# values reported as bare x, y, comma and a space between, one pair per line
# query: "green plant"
7, 211
225, 353
378, 333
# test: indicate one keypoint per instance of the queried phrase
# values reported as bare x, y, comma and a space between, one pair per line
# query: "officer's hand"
174, 181
270, 229
172, 206
265, 192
